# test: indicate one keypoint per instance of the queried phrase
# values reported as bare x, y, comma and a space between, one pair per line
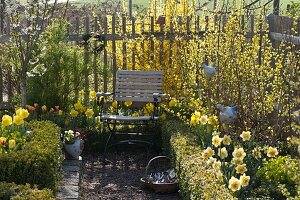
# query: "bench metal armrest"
157, 95
106, 94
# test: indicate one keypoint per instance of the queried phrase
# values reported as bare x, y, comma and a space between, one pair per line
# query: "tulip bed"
39, 160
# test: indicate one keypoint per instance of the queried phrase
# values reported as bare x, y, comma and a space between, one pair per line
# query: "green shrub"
23, 192
281, 177
39, 162
196, 180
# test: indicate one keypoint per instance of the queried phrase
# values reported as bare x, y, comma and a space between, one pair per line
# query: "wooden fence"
118, 28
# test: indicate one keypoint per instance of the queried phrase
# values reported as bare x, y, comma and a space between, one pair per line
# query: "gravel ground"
118, 179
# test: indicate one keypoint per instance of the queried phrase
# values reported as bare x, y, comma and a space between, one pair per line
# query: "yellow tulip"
6, 120
128, 103
11, 143
2, 141
24, 113
114, 104
18, 120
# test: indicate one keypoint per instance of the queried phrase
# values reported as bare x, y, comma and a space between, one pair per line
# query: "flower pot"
74, 150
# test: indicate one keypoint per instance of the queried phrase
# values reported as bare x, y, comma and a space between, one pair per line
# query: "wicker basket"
155, 165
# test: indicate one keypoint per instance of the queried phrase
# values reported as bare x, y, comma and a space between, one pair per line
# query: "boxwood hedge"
39, 161
12, 191
194, 176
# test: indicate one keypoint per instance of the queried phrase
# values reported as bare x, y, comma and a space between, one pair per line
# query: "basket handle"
157, 157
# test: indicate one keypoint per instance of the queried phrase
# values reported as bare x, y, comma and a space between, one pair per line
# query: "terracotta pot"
75, 149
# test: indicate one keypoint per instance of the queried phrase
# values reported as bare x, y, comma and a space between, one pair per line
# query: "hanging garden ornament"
209, 71
227, 114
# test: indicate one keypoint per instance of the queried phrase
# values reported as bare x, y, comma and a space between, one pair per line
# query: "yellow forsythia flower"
24, 113
73, 113
272, 152
244, 180
128, 103
93, 94
18, 120
172, 103
245, 135
11, 143
89, 113
114, 104
6, 120
234, 184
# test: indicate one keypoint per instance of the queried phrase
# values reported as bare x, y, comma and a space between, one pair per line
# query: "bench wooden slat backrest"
138, 86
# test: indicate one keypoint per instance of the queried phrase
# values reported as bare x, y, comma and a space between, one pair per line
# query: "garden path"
118, 179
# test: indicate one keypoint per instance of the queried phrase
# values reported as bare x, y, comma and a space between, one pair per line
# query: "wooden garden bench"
140, 87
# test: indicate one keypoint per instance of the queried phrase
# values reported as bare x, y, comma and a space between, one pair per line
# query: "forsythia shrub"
196, 178
39, 161
12, 191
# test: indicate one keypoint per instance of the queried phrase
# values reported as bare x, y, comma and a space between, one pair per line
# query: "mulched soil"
118, 179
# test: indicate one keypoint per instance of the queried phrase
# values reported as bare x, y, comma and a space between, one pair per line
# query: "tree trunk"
24, 84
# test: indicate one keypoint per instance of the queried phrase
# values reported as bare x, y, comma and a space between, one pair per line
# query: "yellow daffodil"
11, 144
114, 104
74, 113
128, 103
220, 176
195, 120
78, 106
239, 153
216, 140
18, 120
244, 180
241, 169
208, 152
226, 140
6, 120
89, 113
93, 95
217, 165
222, 153
256, 153
203, 119
272, 152
150, 107
237, 161
234, 184
245, 135
172, 103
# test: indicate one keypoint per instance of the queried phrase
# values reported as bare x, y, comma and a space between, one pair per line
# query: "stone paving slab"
71, 179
